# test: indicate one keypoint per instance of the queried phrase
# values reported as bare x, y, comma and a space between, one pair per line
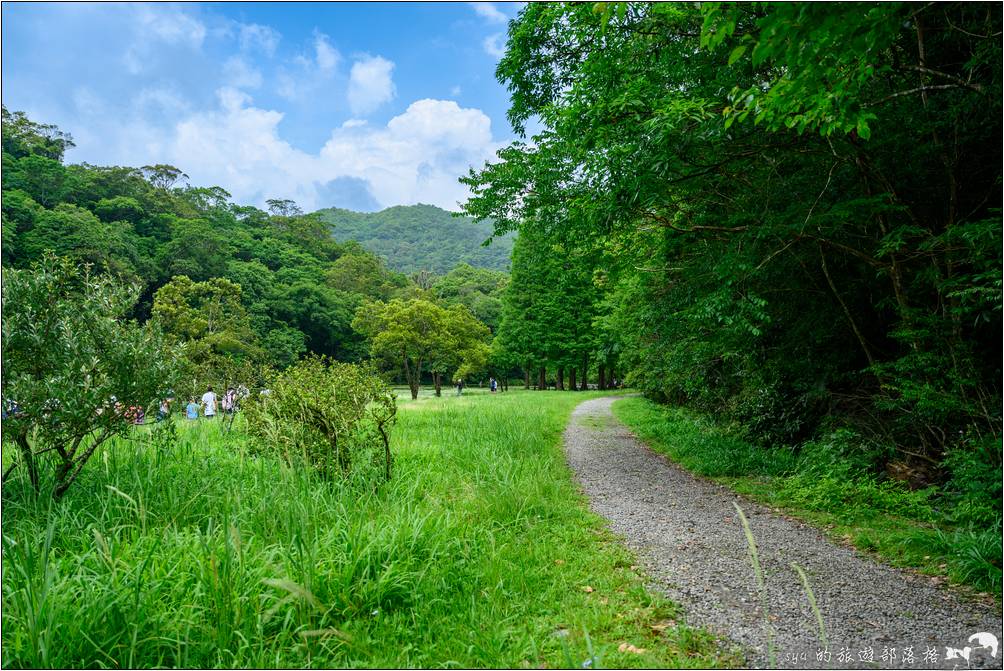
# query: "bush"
333, 417
74, 366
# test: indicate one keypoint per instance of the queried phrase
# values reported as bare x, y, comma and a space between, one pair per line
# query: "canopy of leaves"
73, 363
794, 208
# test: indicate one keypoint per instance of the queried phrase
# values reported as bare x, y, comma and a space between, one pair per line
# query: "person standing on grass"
492, 384
229, 403
209, 403
460, 387
192, 409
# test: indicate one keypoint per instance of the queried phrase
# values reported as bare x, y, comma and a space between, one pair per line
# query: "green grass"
905, 528
479, 553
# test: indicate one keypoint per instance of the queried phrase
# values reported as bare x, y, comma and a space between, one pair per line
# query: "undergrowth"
197, 552
952, 531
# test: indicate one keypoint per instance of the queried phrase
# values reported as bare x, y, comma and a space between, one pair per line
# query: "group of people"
210, 404
493, 385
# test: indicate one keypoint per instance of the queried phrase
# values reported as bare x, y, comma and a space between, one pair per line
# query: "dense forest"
413, 238
240, 284
786, 216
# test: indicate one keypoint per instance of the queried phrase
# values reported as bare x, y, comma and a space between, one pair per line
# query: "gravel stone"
690, 541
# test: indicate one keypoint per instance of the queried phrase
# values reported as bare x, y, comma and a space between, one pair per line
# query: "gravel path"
689, 539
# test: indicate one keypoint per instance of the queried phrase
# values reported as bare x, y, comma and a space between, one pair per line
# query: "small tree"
332, 416
73, 364
417, 333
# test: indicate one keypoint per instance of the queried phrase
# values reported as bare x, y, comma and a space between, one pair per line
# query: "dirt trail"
689, 538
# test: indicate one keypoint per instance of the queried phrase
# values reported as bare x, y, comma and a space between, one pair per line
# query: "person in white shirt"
209, 403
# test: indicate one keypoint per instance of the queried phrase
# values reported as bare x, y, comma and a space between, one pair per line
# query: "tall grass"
199, 554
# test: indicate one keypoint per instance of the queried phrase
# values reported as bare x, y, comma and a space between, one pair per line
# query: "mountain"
421, 237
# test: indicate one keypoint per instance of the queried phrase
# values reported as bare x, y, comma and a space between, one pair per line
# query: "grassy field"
479, 553
906, 528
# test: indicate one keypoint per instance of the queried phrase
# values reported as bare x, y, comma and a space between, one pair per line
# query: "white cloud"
237, 72
170, 27
494, 45
154, 28
455, 91
327, 56
370, 84
256, 36
416, 157
314, 70
489, 12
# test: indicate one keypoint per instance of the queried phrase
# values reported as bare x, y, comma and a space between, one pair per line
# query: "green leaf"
737, 53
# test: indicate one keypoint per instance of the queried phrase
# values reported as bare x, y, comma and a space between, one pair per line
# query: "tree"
207, 317
364, 273
23, 137
735, 168
162, 176
417, 333
283, 207
72, 363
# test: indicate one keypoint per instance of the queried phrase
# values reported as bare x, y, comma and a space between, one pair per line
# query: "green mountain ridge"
421, 237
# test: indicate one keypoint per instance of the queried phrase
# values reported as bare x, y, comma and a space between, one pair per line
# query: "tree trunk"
571, 378
28, 458
559, 384
542, 379
437, 379
505, 383
585, 372
601, 382
526, 374
413, 377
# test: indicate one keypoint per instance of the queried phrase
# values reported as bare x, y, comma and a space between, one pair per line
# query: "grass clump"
200, 552
952, 531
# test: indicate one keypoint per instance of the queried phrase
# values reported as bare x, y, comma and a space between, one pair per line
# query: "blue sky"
357, 105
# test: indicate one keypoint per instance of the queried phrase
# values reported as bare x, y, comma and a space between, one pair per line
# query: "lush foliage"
790, 213
334, 417
954, 529
411, 238
197, 554
75, 369
240, 288
407, 335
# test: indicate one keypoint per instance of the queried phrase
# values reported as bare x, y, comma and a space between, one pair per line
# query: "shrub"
73, 366
331, 416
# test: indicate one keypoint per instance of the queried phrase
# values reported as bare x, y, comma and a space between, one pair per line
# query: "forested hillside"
786, 216
411, 238
239, 284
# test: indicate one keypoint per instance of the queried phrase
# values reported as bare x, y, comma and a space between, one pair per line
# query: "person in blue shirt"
192, 409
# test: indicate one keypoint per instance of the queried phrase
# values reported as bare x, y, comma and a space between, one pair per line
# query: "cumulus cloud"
416, 157
494, 45
370, 84
327, 56
489, 12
